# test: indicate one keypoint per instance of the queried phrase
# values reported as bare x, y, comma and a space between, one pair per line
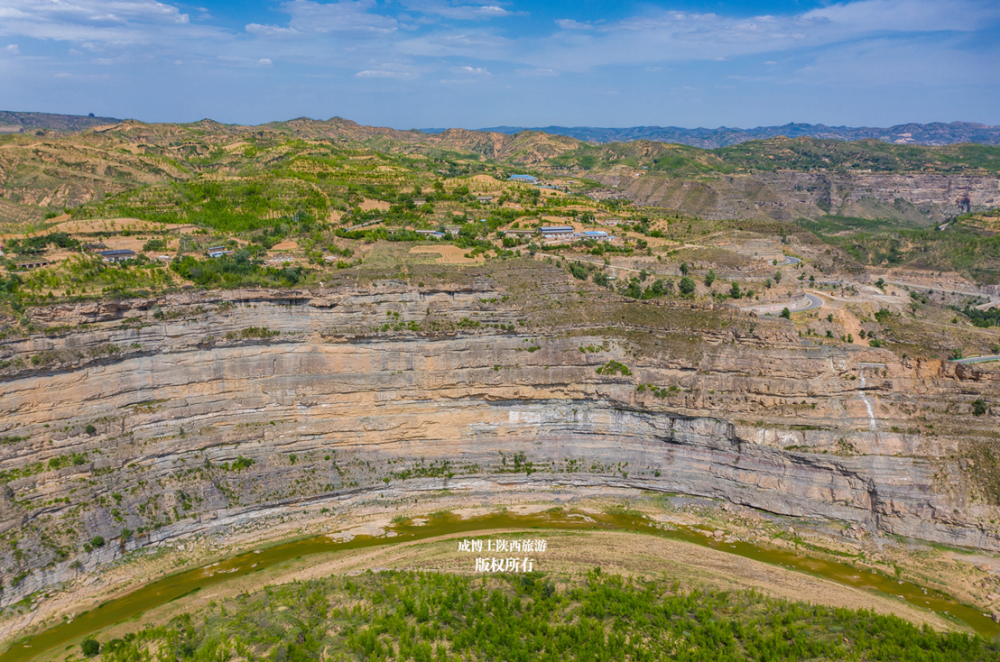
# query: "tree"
687, 286
787, 314
684, 268
90, 647
91, 430
710, 278
734, 291
777, 276
97, 541
979, 407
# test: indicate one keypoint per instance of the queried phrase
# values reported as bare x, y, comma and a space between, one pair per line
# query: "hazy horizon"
445, 63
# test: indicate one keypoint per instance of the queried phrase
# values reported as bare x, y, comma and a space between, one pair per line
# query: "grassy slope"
446, 617
801, 154
965, 247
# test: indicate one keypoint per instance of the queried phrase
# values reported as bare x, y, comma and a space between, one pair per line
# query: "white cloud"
886, 62
383, 73
240, 60
13, 50
903, 15
342, 16
461, 12
271, 30
479, 45
667, 35
116, 23
536, 72
570, 24
475, 71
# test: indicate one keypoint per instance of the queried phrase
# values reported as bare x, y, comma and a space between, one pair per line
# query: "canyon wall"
146, 420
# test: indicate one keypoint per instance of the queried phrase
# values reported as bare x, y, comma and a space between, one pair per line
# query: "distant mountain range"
937, 133
13, 122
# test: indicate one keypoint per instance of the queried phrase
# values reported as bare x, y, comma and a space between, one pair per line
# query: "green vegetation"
441, 617
37, 244
677, 160
812, 154
979, 407
802, 154
235, 271
231, 206
241, 463
983, 318
258, 332
614, 368
90, 647
961, 248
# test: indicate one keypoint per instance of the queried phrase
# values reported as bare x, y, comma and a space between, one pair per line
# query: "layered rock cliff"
140, 421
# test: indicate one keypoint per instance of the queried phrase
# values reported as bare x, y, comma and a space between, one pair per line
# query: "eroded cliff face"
787, 196
149, 420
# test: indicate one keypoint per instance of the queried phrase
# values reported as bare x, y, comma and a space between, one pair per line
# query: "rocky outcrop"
155, 419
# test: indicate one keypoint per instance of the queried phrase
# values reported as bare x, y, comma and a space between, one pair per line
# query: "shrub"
614, 367
979, 407
91, 430
90, 647
97, 541
786, 313
241, 463
687, 286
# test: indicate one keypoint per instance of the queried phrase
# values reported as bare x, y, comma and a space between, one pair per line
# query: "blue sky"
477, 63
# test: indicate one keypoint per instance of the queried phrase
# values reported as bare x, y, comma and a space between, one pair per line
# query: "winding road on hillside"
993, 301
800, 305
978, 359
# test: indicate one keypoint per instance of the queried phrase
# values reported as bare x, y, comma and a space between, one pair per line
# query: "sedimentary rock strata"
145, 420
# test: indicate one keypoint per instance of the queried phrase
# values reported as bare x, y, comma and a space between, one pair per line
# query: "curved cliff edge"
143, 421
